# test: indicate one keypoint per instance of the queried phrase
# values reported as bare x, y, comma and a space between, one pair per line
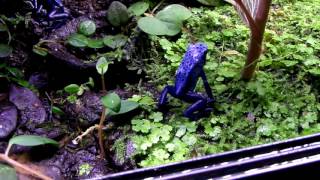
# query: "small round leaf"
117, 14
112, 101
72, 88
5, 50
78, 40
102, 65
87, 27
115, 41
138, 8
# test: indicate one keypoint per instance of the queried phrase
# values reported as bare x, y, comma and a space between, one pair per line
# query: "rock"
27, 102
39, 80
8, 119
80, 165
87, 109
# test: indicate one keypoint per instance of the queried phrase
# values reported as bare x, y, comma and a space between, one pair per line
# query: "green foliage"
125, 107
166, 22
117, 14
281, 102
78, 40
115, 41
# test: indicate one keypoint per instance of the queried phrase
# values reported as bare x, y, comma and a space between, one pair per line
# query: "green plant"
84, 169
23, 140
117, 14
75, 90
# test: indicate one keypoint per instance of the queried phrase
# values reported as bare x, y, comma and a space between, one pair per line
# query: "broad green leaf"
95, 43
40, 51
174, 13
87, 27
3, 27
7, 172
5, 50
78, 40
102, 65
72, 88
152, 26
117, 14
173, 28
138, 8
112, 101
115, 41
31, 140
126, 106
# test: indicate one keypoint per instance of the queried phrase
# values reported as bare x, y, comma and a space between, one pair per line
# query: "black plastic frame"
292, 153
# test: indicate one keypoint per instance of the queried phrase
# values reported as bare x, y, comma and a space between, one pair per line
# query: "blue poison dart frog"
188, 73
51, 9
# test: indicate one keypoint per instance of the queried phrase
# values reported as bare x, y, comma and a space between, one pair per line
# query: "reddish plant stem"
257, 27
102, 118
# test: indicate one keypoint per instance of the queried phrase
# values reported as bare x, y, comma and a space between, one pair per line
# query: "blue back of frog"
190, 68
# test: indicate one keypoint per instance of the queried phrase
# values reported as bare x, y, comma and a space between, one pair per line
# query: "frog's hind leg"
200, 105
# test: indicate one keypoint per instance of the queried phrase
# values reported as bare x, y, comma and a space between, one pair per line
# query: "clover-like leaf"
112, 101
87, 27
102, 65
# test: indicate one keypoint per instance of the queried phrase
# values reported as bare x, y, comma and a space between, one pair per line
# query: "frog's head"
199, 52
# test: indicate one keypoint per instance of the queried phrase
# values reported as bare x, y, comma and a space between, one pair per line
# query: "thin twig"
80, 137
18, 166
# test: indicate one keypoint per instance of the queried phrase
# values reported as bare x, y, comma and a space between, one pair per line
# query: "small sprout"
102, 66
72, 88
87, 27
112, 101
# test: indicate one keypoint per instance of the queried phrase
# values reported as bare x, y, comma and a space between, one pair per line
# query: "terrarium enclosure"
89, 88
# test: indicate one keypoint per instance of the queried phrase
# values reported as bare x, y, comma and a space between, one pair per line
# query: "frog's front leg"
163, 100
57, 10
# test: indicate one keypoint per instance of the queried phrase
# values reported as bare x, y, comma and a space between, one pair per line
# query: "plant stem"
157, 6
100, 133
23, 167
102, 118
